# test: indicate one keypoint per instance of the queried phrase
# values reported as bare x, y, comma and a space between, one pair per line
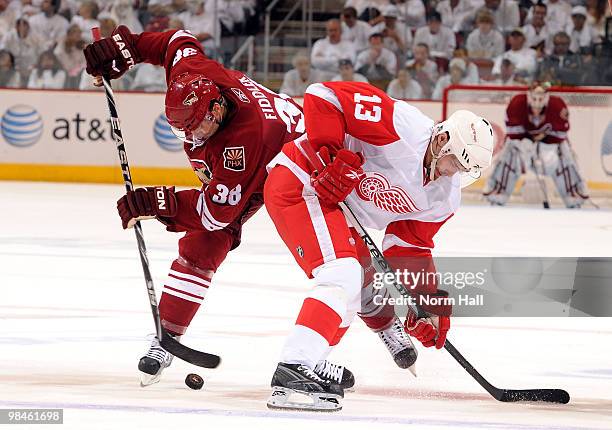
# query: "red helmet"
189, 99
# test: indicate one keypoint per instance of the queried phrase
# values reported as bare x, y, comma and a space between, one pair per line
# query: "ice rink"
74, 319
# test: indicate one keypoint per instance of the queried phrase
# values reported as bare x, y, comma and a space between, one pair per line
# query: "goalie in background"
536, 141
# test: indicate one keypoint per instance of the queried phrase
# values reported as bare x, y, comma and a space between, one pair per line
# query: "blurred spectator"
376, 62
396, 36
327, 52
523, 57
368, 10
200, 21
149, 78
485, 41
404, 87
87, 19
48, 73
423, 69
48, 25
176, 24
557, 15
597, 11
354, 30
412, 13
9, 76
507, 74
471, 73
300, 77
124, 12
233, 15
537, 34
454, 12
69, 52
7, 17
347, 73
456, 75
440, 39
562, 66
583, 35
24, 45
505, 13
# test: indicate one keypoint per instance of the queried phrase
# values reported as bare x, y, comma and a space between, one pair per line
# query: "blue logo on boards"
164, 137
21, 125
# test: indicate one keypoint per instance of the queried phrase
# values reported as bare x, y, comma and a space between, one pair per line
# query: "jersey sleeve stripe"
180, 33
186, 287
515, 129
182, 295
559, 134
321, 91
391, 240
185, 277
208, 221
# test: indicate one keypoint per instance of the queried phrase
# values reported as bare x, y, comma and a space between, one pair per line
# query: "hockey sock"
182, 295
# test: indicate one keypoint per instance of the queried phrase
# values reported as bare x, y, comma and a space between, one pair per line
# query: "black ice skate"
297, 387
153, 363
335, 373
400, 346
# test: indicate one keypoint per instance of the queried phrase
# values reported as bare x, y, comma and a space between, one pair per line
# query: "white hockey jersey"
394, 193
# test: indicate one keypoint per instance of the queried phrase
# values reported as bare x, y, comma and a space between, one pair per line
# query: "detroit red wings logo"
375, 188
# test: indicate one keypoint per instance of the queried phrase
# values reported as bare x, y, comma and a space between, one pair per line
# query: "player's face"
448, 165
209, 125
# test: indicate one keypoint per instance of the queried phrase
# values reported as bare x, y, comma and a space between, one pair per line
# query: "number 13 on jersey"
363, 114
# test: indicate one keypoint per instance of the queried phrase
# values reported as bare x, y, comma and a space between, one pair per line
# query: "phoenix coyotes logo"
201, 170
375, 188
233, 158
190, 99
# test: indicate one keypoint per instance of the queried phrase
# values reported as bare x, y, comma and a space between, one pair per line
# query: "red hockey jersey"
553, 123
231, 164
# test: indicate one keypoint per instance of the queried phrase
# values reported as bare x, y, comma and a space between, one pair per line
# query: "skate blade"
319, 402
147, 380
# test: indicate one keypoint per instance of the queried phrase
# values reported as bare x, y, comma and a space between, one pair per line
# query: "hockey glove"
339, 177
146, 203
432, 329
112, 56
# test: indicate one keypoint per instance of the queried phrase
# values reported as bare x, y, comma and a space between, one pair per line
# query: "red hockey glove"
112, 56
431, 330
146, 203
339, 177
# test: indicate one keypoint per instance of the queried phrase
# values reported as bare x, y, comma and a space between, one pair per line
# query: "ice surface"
74, 317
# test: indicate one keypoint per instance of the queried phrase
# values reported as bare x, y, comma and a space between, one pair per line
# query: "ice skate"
400, 346
153, 363
335, 373
297, 387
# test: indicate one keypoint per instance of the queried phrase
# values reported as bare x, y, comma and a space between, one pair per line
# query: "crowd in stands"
415, 49
42, 41
411, 48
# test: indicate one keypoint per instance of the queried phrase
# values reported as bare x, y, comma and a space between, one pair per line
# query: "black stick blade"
197, 358
536, 395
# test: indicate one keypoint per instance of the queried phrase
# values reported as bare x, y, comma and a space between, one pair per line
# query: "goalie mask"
470, 139
189, 101
537, 96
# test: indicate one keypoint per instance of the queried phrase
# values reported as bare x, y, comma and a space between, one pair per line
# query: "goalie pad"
559, 163
511, 163
553, 160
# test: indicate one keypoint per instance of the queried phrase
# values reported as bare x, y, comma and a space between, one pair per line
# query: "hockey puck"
193, 381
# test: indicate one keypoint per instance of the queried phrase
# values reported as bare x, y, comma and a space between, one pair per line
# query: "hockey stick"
197, 358
381, 265
537, 165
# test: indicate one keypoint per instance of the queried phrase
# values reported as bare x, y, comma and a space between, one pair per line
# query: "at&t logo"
21, 126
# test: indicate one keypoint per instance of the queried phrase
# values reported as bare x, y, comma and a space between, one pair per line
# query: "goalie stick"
197, 358
381, 265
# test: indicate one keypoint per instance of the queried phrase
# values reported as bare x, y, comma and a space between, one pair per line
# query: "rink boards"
65, 136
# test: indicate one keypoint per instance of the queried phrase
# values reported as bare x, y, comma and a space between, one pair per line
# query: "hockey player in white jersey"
399, 172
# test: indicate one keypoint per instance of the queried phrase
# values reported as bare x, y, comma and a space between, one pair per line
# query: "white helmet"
470, 139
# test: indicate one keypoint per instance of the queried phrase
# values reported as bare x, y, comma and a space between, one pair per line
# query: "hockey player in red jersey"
536, 140
399, 173
232, 127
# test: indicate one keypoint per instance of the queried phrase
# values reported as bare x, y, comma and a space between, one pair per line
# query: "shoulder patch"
233, 158
241, 95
